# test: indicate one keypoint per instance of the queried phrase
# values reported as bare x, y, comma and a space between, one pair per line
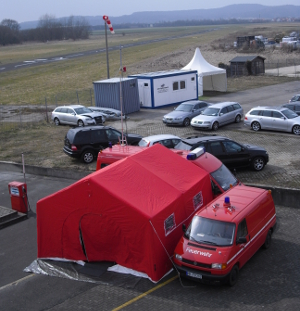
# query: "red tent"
130, 212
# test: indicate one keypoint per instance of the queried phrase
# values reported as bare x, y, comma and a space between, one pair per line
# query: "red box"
18, 196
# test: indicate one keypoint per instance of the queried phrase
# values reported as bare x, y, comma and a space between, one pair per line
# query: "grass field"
33, 85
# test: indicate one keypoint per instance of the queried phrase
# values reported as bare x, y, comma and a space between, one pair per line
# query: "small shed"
108, 94
247, 65
164, 88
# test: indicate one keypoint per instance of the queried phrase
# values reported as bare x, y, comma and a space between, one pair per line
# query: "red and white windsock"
107, 21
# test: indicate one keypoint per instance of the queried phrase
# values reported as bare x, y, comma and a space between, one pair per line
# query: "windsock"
106, 19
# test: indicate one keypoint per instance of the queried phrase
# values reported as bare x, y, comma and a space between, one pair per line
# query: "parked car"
274, 119
295, 106
77, 115
295, 98
167, 140
86, 142
183, 114
231, 153
109, 113
218, 115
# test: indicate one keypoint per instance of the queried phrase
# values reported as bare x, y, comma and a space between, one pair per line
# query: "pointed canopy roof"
202, 66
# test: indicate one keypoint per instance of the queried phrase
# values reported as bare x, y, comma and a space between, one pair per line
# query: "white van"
218, 115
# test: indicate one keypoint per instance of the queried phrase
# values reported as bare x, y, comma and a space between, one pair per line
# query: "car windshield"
208, 231
224, 177
183, 146
184, 107
83, 110
211, 112
290, 114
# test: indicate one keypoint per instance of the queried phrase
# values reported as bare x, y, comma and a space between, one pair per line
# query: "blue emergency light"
196, 153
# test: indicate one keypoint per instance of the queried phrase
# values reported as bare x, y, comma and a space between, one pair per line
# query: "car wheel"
56, 121
238, 119
186, 122
233, 276
268, 240
88, 156
296, 129
258, 163
215, 126
255, 126
80, 123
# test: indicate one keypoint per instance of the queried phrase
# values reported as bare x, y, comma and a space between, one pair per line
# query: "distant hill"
237, 11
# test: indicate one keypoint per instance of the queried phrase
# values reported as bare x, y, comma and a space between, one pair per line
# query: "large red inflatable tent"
130, 212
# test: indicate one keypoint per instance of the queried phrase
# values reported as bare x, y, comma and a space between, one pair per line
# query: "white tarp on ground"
210, 78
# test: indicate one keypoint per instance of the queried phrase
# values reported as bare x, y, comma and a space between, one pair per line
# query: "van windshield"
224, 177
208, 231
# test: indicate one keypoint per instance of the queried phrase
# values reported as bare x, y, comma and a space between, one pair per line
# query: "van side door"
243, 247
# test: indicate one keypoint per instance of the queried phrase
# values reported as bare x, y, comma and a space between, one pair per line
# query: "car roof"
70, 106
90, 128
269, 107
195, 101
197, 139
223, 104
160, 136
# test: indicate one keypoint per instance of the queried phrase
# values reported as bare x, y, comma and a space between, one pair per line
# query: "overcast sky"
32, 10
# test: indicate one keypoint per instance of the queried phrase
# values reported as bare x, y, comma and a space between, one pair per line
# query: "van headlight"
219, 266
178, 257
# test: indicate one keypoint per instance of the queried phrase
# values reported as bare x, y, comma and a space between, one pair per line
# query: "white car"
167, 140
274, 119
77, 115
218, 115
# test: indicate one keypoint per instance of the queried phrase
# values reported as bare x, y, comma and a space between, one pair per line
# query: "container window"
175, 86
182, 85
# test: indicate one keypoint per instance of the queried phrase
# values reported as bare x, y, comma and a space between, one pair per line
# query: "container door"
145, 94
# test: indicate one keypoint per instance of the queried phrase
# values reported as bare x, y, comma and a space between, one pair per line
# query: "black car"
86, 142
231, 153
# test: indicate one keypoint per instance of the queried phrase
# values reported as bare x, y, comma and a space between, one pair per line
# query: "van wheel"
56, 121
258, 164
186, 122
255, 126
238, 119
215, 126
233, 276
87, 156
268, 240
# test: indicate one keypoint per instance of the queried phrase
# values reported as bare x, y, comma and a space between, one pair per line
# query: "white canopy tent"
210, 78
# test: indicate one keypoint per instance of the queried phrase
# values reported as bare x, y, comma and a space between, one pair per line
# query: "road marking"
145, 294
18, 281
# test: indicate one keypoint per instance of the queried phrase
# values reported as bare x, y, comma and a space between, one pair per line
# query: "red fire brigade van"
221, 177
225, 234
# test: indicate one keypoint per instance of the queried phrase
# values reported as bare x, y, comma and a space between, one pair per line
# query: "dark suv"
86, 142
231, 153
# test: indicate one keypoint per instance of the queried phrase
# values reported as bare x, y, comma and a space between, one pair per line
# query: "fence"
26, 115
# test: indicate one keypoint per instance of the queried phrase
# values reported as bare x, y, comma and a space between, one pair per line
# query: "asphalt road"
269, 281
68, 57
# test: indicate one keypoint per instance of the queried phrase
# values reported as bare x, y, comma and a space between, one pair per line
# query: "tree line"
49, 28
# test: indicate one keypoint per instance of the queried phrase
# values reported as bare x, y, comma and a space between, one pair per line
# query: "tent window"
182, 85
175, 86
170, 224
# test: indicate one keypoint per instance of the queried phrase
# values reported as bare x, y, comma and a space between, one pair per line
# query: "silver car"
109, 113
183, 114
76, 115
167, 140
274, 119
218, 115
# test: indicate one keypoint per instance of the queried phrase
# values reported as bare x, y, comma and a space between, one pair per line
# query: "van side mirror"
241, 240
183, 227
